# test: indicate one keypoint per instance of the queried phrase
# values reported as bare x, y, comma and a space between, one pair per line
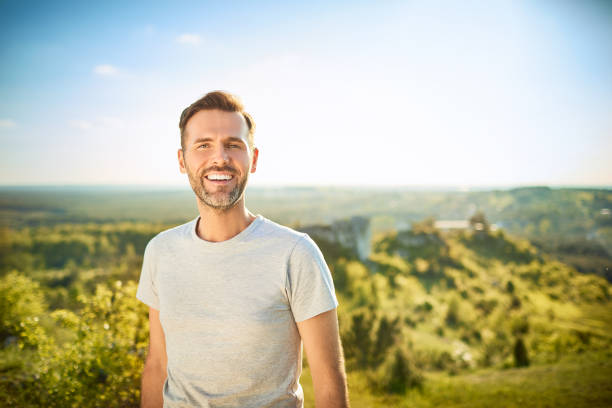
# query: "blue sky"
360, 93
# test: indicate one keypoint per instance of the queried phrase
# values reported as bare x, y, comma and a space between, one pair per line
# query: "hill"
573, 224
423, 302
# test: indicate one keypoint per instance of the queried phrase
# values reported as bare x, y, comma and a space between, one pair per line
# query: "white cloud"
81, 124
7, 123
191, 39
105, 70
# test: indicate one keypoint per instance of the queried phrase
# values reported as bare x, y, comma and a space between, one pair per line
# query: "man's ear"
254, 161
181, 161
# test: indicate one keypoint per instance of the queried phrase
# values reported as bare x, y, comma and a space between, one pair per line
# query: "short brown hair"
221, 100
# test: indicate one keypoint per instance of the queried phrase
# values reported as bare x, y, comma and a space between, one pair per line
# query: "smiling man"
233, 296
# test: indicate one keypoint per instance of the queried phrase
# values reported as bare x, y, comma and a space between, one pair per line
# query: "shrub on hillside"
397, 374
357, 340
386, 336
99, 362
21, 300
521, 359
434, 359
495, 347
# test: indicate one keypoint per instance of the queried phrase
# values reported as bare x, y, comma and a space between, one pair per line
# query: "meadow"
579, 381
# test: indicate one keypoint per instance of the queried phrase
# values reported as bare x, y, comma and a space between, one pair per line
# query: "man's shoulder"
297, 241
269, 228
173, 235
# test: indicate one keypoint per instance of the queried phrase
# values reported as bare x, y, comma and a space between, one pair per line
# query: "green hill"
572, 224
438, 302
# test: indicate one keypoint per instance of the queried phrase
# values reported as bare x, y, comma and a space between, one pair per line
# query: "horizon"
351, 187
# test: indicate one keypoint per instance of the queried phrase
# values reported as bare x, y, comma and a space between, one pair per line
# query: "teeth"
219, 177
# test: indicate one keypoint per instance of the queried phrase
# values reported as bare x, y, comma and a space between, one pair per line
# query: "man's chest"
220, 287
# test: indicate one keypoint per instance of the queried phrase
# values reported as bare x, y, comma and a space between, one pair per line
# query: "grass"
577, 381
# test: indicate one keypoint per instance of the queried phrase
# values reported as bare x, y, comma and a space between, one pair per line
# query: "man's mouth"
219, 177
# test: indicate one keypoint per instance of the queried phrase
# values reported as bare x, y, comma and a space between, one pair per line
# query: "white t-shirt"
229, 311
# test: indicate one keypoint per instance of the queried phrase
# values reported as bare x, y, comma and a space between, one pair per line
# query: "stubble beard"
217, 200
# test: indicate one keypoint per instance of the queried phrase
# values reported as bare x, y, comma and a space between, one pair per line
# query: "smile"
219, 177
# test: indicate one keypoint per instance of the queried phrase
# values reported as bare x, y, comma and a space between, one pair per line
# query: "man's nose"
220, 155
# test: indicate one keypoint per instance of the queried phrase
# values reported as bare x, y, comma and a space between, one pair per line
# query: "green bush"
21, 301
521, 359
99, 362
397, 374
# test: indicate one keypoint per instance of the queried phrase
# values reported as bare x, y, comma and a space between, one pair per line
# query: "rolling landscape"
499, 297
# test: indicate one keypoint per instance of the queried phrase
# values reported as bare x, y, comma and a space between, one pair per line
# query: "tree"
479, 223
426, 226
452, 314
358, 342
386, 335
521, 359
397, 374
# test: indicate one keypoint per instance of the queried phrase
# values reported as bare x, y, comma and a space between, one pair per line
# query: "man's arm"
325, 358
154, 373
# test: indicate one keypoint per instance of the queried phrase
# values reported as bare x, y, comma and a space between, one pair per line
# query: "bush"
21, 300
434, 359
103, 365
386, 335
397, 374
521, 359
452, 318
358, 340
494, 349
99, 361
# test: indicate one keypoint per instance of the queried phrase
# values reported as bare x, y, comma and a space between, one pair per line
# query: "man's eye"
204, 146
234, 146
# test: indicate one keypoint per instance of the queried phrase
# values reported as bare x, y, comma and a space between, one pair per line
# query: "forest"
512, 309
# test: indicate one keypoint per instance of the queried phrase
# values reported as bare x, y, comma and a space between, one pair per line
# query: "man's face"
217, 158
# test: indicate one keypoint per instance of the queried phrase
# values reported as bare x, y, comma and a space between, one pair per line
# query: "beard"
219, 199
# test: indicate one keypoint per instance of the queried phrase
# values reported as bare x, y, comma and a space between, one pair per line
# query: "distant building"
457, 225
354, 234
448, 225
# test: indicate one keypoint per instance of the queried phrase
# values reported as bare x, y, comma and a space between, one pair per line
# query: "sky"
385, 93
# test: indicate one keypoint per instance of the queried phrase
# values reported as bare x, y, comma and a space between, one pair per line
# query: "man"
231, 295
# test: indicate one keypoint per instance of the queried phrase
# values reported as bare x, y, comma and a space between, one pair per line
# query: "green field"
583, 380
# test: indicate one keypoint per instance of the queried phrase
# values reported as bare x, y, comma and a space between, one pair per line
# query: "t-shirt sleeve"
147, 286
309, 284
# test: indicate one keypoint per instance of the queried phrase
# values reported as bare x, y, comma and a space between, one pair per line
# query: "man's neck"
217, 226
